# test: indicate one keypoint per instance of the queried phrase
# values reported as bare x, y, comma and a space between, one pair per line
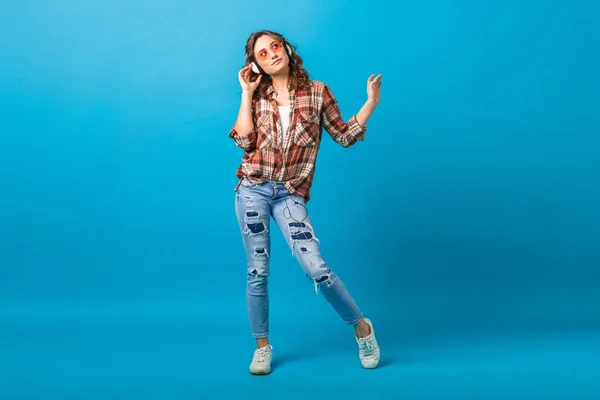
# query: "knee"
322, 276
258, 280
258, 265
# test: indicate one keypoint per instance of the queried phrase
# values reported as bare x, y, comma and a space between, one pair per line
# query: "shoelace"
366, 345
261, 355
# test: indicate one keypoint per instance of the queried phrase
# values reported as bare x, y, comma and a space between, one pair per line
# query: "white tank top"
284, 112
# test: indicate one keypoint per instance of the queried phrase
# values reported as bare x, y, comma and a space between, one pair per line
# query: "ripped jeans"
255, 205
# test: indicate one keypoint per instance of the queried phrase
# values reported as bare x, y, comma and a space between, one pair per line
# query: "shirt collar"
271, 91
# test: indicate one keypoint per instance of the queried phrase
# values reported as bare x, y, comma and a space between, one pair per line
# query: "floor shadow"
289, 357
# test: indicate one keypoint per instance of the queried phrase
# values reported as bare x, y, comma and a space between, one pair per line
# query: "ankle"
362, 329
262, 342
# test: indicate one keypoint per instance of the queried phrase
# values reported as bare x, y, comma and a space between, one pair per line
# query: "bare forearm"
365, 113
244, 124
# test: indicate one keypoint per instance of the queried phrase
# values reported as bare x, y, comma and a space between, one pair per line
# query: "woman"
279, 126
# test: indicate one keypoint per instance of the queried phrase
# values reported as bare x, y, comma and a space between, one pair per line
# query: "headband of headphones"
258, 70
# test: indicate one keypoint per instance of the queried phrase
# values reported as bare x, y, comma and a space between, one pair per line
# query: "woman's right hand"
244, 78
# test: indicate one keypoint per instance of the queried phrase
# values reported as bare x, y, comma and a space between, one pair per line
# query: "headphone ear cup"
290, 53
255, 68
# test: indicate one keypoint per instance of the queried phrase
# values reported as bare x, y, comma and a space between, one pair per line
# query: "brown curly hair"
299, 77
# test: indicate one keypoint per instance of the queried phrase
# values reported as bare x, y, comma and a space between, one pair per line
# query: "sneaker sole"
371, 366
260, 372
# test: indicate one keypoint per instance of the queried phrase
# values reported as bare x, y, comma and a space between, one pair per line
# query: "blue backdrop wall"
474, 201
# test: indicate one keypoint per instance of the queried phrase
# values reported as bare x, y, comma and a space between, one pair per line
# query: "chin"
279, 69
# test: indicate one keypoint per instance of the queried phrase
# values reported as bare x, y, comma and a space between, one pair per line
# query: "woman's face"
271, 56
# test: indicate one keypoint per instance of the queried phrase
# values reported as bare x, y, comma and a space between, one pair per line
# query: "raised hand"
244, 78
373, 88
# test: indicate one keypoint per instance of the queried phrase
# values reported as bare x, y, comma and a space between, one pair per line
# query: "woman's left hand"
373, 88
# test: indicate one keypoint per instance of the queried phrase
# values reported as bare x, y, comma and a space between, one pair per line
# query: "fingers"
245, 73
376, 82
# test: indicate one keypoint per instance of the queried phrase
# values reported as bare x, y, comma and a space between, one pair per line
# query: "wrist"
372, 103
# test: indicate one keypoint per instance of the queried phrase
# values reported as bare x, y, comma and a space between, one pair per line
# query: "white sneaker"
261, 362
368, 349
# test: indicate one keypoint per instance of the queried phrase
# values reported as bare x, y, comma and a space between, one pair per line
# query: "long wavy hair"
299, 77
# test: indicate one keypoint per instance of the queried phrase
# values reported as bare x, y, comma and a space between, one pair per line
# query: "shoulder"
319, 89
317, 85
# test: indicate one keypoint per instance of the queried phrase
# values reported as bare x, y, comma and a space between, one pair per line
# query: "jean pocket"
246, 183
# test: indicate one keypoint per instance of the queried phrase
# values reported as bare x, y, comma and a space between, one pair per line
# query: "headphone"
258, 70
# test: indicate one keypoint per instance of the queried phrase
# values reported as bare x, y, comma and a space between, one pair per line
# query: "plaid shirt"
268, 158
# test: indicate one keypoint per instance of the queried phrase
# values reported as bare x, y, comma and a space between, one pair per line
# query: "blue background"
471, 210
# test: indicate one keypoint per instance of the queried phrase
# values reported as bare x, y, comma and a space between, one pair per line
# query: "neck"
280, 83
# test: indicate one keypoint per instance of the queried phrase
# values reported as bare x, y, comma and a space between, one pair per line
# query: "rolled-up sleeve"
246, 142
344, 133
